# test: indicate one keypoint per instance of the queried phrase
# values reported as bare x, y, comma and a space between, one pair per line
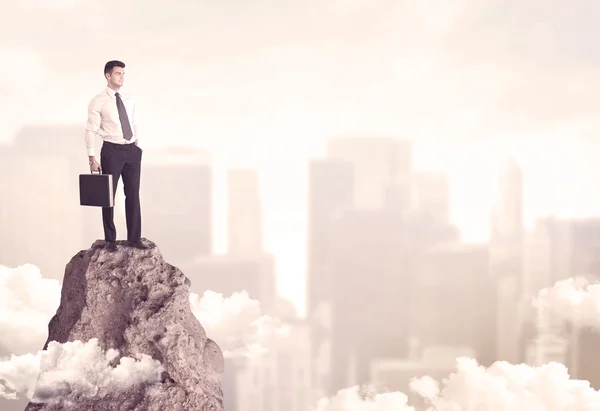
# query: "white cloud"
502, 386
574, 299
27, 303
18, 375
472, 387
353, 399
78, 367
236, 324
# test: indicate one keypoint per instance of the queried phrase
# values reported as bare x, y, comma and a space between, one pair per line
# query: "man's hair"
108, 67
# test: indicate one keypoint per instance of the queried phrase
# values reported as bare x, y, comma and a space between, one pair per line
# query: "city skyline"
402, 69
473, 222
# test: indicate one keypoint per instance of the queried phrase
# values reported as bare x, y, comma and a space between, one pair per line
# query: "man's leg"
131, 186
111, 162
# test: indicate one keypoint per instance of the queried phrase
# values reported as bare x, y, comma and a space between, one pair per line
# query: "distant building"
176, 195
7, 165
584, 361
373, 256
506, 259
453, 299
41, 221
379, 163
551, 343
559, 249
244, 213
279, 380
227, 274
331, 190
432, 195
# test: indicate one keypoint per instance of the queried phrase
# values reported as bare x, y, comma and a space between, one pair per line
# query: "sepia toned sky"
265, 83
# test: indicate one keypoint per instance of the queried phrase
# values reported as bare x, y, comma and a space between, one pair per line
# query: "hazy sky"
265, 83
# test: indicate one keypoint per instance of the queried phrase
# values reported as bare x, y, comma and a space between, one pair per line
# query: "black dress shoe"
138, 244
111, 246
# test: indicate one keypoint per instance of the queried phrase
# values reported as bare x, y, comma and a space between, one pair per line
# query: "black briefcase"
96, 190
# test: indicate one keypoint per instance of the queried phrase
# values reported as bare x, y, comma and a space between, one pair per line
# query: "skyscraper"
380, 163
432, 192
453, 299
41, 220
331, 187
506, 258
176, 197
244, 213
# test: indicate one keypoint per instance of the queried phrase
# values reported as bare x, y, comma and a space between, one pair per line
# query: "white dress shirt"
103, 120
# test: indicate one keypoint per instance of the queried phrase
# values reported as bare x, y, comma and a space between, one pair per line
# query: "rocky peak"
134, 302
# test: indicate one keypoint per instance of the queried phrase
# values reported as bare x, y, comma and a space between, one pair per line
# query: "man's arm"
92, 127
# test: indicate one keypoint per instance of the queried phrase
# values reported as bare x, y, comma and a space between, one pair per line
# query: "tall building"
331, 188
506, 258
454, 299
432, 192
7, 164
40, 217
380, 165
279, 380
227, 274
244, 213
537, 257
331, 184
372, 262
559, 249
176, 201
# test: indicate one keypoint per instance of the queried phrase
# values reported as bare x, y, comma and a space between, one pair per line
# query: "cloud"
78, 367
27, 303
502, 386
575, 300
18, 375
353, 399
236, 324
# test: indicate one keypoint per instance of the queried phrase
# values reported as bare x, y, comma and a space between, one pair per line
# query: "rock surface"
135, 302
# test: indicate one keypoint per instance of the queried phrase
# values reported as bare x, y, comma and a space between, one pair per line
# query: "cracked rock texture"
135, 302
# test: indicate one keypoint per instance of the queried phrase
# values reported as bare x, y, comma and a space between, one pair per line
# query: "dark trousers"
125, 160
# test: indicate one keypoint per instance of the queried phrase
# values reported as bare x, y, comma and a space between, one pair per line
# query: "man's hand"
95, 166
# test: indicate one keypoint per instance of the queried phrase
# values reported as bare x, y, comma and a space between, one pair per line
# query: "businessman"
113, 117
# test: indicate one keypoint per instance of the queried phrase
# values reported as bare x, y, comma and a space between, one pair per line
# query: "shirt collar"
110, 91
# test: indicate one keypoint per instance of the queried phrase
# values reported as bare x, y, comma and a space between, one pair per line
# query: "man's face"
116, 77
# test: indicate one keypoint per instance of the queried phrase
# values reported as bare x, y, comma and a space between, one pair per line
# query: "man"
113, 118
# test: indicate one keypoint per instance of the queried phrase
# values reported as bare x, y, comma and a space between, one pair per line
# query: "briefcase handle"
99, 172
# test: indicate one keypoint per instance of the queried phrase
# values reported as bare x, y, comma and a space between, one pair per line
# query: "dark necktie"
127, 133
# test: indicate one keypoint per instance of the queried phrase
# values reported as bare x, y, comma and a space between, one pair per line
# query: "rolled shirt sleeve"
92, 127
